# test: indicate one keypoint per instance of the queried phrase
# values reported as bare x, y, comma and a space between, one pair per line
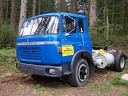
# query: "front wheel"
80, 73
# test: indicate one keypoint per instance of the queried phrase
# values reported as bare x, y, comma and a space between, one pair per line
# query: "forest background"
107, 19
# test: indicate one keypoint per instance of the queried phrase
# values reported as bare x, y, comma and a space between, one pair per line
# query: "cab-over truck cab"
55, 45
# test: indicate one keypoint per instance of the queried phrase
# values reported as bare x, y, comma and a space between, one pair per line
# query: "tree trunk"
12, 15
7, 7
61, 5
22, 13
122, 16
34, 8
39, 6
113, 22
1, 11
93, 12
75, 6
48, 5
71, 6
107, 19
107, 28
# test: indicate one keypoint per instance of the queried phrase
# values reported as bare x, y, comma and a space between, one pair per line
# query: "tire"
119, 63
80, 73
37, 77
112, 67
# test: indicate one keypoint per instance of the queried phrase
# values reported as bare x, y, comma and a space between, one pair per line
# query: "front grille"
33, 53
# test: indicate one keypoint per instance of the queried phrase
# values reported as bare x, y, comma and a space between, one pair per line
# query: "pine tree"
1, 11
22, 12
93, 8
122, 17
34, 8
12, 15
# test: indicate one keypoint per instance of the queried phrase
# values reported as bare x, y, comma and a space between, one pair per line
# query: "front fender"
82, 54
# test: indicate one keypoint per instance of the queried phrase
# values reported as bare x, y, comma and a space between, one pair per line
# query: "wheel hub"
82, 72
122, 62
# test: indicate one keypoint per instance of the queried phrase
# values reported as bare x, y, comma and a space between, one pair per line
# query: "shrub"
99, 35
7, 37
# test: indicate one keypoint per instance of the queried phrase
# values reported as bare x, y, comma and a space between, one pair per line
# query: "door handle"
80, 45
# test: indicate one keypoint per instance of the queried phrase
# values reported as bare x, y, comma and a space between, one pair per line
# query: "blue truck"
58, 44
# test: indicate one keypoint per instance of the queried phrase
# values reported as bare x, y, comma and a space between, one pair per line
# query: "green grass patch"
117, 81
102, 87
6, 55
126, 94
92, 86
40, 89
55, 91
7, 61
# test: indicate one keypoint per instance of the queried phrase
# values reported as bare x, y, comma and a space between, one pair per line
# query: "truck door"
71, 40
83, 31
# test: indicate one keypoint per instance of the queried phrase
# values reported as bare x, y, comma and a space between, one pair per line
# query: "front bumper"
42, 70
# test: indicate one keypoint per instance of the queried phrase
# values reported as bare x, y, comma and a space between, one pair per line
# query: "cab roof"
56, 14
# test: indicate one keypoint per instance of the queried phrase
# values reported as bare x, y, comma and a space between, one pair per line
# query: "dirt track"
20, 84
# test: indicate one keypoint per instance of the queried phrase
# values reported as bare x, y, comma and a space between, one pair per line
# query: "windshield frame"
37, 17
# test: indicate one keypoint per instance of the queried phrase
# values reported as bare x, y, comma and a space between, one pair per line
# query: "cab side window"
68, 25
81, 25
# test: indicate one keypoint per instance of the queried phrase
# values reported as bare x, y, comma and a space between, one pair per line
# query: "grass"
117, 81
7, 56
7, 63
40, 89
55, 91
126, 94
102, 87
92, 86
5, 52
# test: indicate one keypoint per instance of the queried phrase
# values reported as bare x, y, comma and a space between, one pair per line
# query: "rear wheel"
80, 73
119, 62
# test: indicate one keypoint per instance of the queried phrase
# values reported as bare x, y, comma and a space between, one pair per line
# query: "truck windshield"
42, 25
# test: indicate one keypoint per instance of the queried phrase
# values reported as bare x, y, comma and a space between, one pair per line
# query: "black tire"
119, 63
112, 67
80, 73
37, 77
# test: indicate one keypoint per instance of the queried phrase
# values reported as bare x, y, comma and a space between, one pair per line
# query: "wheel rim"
122, 62
82, 73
